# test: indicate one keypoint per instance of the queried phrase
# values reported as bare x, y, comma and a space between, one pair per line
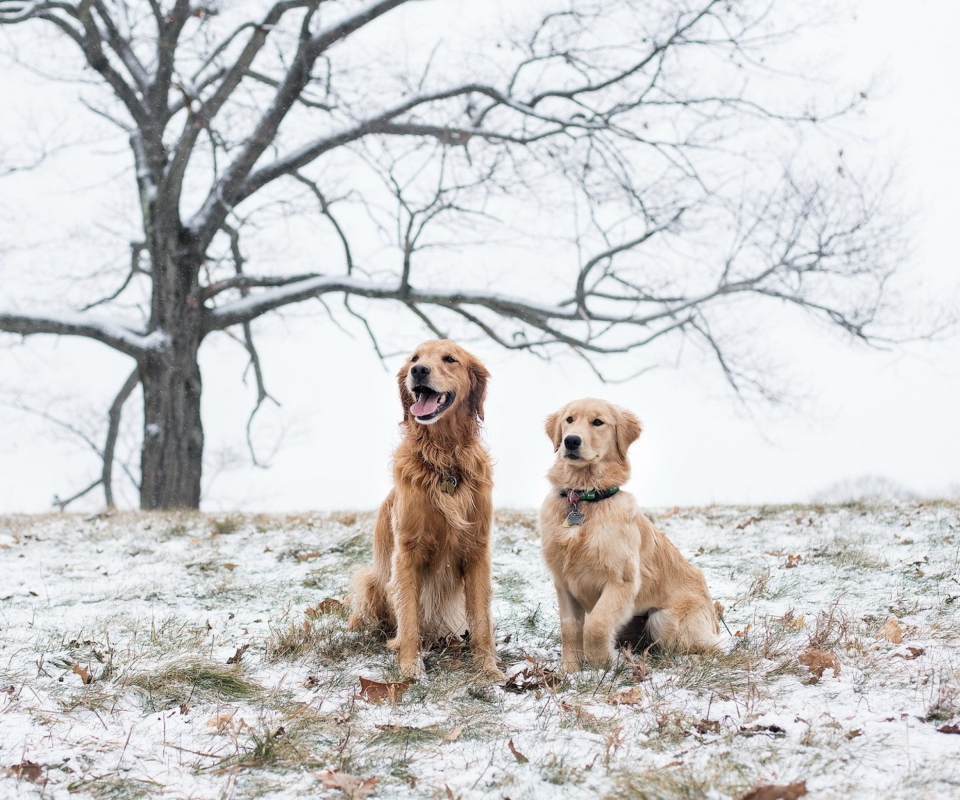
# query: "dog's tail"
371, 609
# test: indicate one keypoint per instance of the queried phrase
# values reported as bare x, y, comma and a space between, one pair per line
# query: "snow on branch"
117, 336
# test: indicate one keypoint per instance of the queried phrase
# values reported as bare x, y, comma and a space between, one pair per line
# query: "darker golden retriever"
431, 548
610, 564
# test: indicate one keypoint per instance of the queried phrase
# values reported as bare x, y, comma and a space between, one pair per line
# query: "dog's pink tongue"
426, 405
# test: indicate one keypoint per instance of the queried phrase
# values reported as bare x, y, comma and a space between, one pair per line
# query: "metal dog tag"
448, 485
574, 518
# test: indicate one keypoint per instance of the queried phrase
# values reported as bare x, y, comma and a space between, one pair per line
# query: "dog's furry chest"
589, 556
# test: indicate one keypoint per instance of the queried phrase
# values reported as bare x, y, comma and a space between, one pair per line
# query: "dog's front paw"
599, 655
411, 668
357, 622
490, 671
570, 663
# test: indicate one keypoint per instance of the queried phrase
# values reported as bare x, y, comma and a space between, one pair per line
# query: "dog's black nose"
419, 371
572, 442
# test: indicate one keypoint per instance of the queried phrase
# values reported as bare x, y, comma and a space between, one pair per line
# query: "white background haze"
857, 410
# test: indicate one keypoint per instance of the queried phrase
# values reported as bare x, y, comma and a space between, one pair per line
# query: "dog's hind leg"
371, 608
688, 626
371, 603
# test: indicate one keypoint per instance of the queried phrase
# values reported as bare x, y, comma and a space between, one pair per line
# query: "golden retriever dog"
431, 545
610, 564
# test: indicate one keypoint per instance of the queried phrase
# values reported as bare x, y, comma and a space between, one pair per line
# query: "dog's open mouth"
430, 404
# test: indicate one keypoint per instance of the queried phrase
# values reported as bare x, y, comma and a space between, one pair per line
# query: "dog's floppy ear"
405, 400
628, 431
552, 428
478, 387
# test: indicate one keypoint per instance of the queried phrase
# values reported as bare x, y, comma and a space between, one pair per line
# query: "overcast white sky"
895, 414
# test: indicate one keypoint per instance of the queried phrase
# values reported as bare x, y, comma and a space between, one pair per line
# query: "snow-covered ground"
116, 633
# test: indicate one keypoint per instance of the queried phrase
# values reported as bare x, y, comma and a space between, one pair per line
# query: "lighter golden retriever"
431, 546
610, 564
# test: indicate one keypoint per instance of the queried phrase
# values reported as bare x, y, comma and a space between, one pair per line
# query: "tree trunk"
172, 457
171, 461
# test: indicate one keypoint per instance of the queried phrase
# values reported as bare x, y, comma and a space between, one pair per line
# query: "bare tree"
637, 136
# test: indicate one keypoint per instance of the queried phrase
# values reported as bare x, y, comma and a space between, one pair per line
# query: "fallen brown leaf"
453, 734
818, 661
892, 631
793, 622
521, 758
753, 730
582, 714
378, 691
26, 771
792, 561
744, 632
450, 794
308, 556
708, 726
913, 652
528, 675
612, 740
746, 522
629, 697
772, 792
328, 606
84, 673
221, 721
639, 669
235, 658
392, 728
955, 728
353, 786
854, 733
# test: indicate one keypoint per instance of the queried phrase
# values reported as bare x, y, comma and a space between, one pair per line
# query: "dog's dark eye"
569, 420
415, 358
597, 422
450, 359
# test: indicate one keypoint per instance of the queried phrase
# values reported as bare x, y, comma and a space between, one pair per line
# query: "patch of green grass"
406, 735
841, 551
223, 526
93, 697
944, 705
511, 585
759, 584
677, 781
190, 682
110, 787
353, 550
559, 771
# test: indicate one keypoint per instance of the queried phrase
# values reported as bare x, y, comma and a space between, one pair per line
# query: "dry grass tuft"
185, 683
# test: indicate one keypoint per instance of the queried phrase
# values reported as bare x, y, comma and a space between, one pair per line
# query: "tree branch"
72, 324
225, 194
113, 431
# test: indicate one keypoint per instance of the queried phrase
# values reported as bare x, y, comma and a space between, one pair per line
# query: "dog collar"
574, 496
448, 482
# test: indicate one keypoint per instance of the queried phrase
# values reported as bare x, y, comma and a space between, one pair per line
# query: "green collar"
574, 496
